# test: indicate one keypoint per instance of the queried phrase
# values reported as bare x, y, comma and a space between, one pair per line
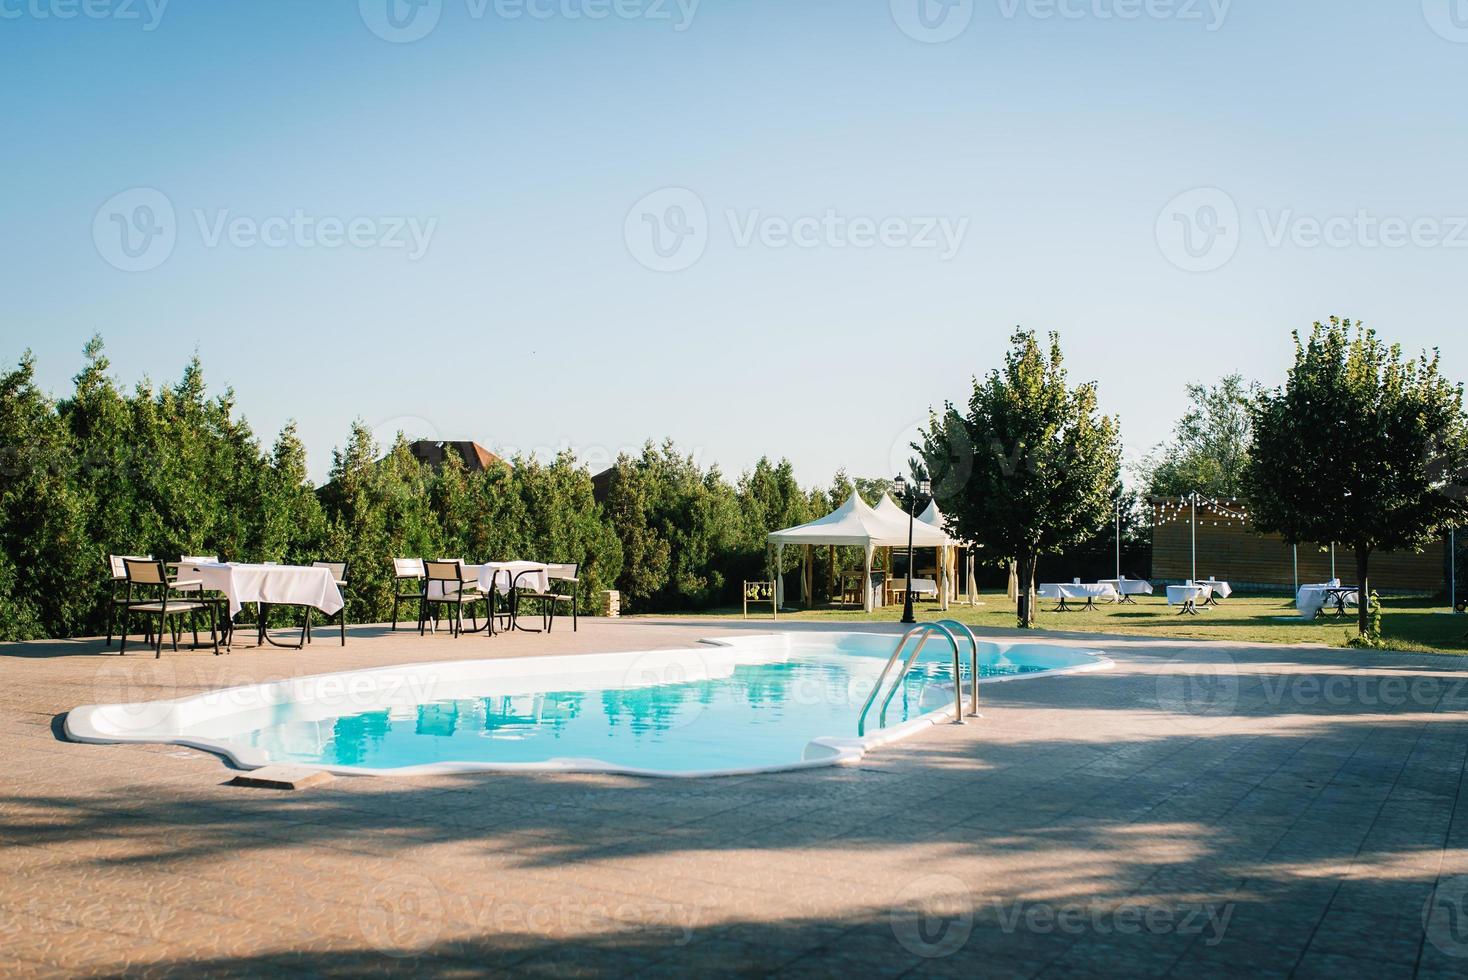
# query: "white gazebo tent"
932, 515
854, 524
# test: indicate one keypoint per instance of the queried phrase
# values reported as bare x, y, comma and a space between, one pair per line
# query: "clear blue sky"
521, 146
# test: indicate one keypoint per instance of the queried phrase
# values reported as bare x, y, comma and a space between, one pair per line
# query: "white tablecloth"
1179, 594
1313, 598
1221, 589
1073, 590
1129, 586
499, 575
281, 585
920, 586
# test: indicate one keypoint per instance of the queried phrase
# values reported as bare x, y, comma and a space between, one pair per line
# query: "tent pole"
780, 574
832, 583
866, 582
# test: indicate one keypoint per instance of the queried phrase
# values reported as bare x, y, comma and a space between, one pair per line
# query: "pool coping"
90, 723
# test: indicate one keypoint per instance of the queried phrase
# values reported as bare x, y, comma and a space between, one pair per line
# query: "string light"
1215, 509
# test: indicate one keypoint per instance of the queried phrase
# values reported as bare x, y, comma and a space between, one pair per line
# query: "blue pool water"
756, 703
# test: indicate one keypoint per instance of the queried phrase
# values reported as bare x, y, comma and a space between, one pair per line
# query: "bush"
170, 471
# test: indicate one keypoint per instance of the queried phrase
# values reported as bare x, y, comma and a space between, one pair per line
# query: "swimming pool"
748, 704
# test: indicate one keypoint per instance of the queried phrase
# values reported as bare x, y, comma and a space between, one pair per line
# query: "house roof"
433, 452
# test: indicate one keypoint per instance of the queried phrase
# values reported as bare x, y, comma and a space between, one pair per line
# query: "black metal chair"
219, 599
117, 603
452, 590
407, 570
561, 589
338, 571
171, 599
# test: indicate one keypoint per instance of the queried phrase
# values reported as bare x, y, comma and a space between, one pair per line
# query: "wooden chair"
171, 599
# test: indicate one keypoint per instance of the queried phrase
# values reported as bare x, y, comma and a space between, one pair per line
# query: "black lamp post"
924, 488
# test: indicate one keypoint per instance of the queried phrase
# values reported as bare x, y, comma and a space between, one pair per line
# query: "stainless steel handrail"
973, 672
928, 630
911, 658
877, 688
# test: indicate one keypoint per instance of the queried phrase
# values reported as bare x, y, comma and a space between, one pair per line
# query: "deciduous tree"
1361, 446
1030, 466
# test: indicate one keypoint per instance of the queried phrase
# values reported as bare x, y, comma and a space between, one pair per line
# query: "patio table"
268, 585
1311, 599
1128, 587
1187, 596
505, 578
920, 586
1216, 590
1064, 591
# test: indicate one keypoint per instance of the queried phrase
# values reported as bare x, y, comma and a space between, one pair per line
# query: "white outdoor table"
1216, 590
1310, 599
268, 585
273, 585
920, 586
507, 578
1128, 587
1187, 596
502, 576
1064, 591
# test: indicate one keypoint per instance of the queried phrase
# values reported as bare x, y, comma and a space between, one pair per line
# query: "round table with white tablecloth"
1188, 596
1128, 587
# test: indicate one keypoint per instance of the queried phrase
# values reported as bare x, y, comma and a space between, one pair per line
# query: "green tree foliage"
1029, 467
679, 526
1210, 443
171, 470
1359, 446
43, 517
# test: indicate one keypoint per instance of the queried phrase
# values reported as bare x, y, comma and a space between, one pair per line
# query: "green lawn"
1409, 623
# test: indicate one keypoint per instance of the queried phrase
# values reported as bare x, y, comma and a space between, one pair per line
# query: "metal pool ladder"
926, 631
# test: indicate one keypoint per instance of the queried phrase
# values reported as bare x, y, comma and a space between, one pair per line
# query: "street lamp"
923, 488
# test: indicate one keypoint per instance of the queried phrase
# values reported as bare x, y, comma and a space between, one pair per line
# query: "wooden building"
1230, 549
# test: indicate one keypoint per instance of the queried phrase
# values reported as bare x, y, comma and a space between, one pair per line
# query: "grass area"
1408, 623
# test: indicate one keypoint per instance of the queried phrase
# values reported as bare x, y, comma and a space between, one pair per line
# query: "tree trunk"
1363, 597
1026, 576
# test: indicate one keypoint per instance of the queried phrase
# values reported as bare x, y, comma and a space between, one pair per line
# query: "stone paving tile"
1322, 827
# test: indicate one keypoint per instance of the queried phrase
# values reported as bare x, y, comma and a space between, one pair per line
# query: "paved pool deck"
1199, 810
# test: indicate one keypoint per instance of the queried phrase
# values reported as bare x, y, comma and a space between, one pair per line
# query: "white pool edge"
88, 724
